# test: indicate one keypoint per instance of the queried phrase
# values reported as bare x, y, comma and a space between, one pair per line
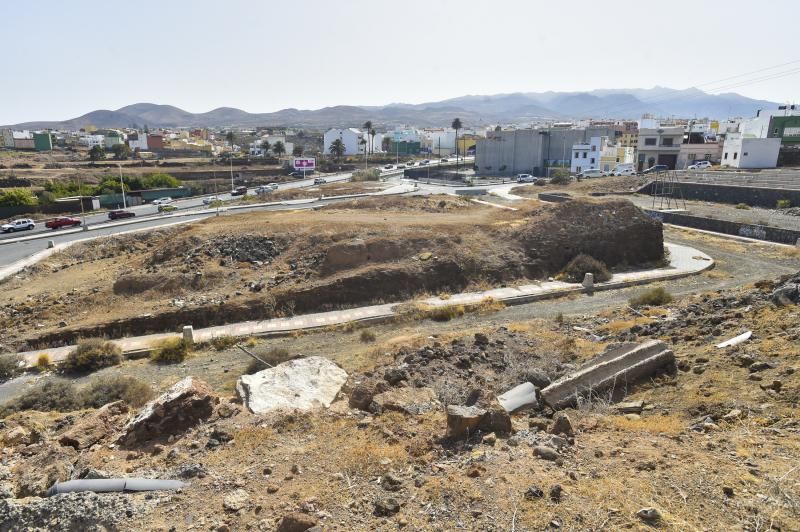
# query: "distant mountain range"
473, 111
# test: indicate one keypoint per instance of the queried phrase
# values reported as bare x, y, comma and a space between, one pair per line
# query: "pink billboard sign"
308, 163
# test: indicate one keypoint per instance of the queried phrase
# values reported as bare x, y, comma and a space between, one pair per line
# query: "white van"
624, 169
591, 172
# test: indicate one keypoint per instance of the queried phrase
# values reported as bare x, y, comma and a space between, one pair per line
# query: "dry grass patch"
670, 424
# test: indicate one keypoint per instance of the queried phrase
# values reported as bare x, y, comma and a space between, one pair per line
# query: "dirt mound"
431, 204
247, 247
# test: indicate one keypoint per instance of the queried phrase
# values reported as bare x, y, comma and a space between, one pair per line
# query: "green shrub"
367, 336
653, 298
91, 355
57, 394
273, 357
9, 366
100, 392
373, 174
783, 204
560, 176
743, 207
583, 264
170, 351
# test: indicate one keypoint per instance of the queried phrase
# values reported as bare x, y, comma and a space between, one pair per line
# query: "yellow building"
612, 155
467, 143
628, 140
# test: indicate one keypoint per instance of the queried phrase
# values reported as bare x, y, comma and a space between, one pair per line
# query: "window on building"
594, 148
744, 154
584, 155
649, 142
592, 160
726, 156
775, 131
735, 155
666, 141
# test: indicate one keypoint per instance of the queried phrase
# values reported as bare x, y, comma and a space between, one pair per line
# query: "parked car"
239, 191
657, 168
163, 201
699, 165
624, 169
525, 178
23, 224
591, 172
167, 208
62, 221
118, 214
320, 181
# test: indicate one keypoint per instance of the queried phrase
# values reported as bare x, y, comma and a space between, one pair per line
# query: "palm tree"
367, 128
297, 151
337, 148
278, 149
456, 125
265, 146
230, 137
372, 141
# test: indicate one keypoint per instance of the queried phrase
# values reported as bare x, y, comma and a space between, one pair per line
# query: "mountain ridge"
473, 110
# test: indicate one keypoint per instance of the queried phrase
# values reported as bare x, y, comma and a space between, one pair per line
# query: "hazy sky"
64, 58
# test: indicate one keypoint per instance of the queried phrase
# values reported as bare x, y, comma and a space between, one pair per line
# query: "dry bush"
43, 362
583, 264
170, 351
273, 357
653, 424
367, 335
653, 297
373, 174
9, 366
100, 392
221, 343
91, 355
58, 394
446, 312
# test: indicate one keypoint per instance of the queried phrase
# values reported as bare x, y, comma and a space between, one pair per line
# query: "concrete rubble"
301, 384
614, 370
521, 396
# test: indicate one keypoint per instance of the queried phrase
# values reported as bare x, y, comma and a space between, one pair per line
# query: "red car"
64, 221
116, 215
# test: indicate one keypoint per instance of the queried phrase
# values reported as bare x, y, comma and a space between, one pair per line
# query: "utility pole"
230, 159
122, 187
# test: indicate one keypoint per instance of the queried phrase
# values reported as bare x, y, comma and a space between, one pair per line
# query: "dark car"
657, 168
116, 215
239, 191
62, 221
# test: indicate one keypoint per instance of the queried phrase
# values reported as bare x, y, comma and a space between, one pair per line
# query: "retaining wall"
733, 194
760, 232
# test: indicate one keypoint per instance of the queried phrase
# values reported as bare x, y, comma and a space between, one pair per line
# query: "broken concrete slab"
630, 407
615, 369
300, 384
463, 420
96, 426
182, 406
408, 400
520, 396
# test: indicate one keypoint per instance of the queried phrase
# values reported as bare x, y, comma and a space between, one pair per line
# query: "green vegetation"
337, 148
653, 298
170, 351
743, 207
43, 362
560, 176
297, 151
223, 342
121, 151
15, 197
61, 395
97, 153
373, 174
110, 185
278, 149
783, 204
583, 264
91, 355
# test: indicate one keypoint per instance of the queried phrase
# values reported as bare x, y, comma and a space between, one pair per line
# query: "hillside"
473, 110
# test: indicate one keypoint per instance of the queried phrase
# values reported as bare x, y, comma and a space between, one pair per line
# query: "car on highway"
163, 201
401, 166
424, 162
209, 201
411, 163
525, 178
657, 168
388, 167
444, 160
119, 214
320, 181
266, 189
239, 191
23, 224
167, 208
62, 221
699, 165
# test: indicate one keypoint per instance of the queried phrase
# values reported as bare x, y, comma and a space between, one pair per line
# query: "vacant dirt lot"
261, 265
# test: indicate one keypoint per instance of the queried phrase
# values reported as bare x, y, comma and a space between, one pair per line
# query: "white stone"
588, 280
301, 384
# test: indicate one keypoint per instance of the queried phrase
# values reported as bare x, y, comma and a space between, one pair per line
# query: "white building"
350, 137
8, 138
257, 150
138, 144
92, 140
405, 134
586, 155
748, 152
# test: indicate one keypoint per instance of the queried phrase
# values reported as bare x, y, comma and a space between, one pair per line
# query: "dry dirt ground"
716, 447
260, 265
